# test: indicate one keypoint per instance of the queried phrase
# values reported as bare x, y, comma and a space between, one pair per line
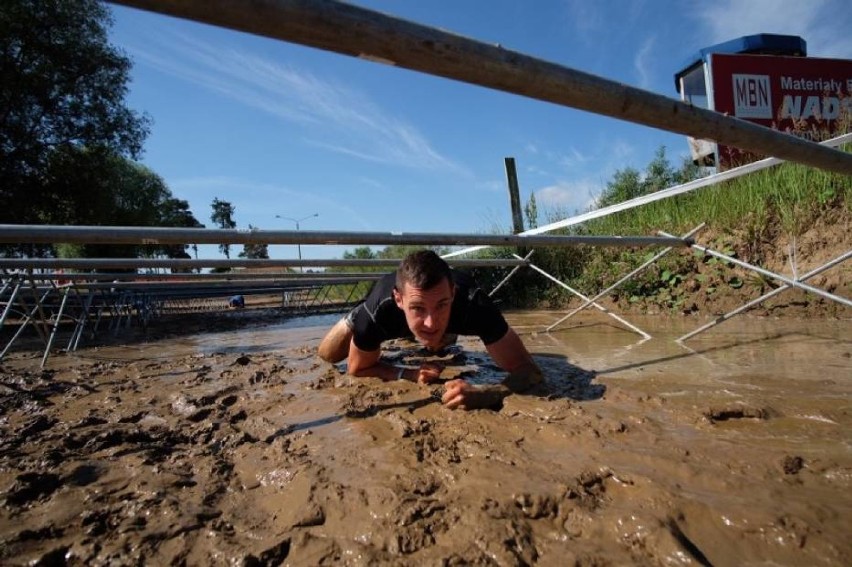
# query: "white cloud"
824, 24
539, 162
642, 61
567, 197
325, 110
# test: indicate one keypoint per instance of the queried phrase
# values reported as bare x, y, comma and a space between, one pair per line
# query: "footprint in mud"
715, 415
32, 486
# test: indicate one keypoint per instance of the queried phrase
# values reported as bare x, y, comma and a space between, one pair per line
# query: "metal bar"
77, 277
351, 30
508, 277
249, 284
55, 327
656, 257
514, 195
9, 304
658, 196
27, 319
84, 318
42, 328
54, 234
763, 297
598, 306
154, 263
773, 275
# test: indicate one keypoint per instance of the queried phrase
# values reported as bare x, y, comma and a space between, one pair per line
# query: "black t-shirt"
378, 318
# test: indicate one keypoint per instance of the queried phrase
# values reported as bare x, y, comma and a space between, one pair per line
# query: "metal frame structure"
382, 38
147, 298
53, 234
722, 318
592, 301
787, 283
688, 187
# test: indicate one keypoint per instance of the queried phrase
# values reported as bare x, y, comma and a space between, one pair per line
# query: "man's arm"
366, 363
513, 357
510, 353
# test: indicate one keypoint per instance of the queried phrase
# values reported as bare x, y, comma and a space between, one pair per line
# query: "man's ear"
397, 297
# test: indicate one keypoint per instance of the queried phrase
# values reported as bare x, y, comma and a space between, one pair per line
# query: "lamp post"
297, 221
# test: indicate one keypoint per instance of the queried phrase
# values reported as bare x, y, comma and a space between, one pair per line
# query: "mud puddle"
243, 448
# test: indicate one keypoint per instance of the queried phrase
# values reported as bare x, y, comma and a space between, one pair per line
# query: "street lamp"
297, 221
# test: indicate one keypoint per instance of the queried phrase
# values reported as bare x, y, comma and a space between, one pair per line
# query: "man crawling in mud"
427, 300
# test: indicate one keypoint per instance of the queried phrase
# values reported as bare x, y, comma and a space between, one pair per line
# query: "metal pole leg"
512, 273
581, 296
625, 278
779, 277
763, 298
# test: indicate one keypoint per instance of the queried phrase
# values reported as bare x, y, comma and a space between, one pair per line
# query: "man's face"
427, 311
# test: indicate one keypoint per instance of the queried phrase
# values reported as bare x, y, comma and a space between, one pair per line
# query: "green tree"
223, 216
175, 212
360, 253
629, 183
659, 174
531, 210
87, 187
62, 91
255, 251
626, 184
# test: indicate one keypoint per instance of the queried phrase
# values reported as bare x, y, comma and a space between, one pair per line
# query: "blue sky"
281, 129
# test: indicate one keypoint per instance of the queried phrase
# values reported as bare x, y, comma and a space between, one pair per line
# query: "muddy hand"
455, 392
458, 394
429, 372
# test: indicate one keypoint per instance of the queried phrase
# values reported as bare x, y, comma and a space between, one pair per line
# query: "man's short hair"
423, 269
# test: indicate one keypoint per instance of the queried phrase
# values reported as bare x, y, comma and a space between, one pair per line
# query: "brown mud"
242, 448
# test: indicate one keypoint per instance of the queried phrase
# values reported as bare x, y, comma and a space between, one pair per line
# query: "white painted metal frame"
598, 306
627, 277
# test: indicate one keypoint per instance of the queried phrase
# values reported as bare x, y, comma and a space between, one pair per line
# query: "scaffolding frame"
787, 283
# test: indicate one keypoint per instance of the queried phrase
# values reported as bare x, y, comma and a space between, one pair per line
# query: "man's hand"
429, 373
458, 394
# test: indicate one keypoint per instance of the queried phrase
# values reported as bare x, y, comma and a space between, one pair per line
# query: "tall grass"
791, 192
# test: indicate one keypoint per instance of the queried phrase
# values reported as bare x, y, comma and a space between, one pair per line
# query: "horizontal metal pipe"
229, 276
270, 284
352, 30
53, 234
155, 263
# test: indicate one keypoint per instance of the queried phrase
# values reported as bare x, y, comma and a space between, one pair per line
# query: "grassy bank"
763, 218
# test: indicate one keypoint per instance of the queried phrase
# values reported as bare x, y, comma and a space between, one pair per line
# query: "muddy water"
242, 448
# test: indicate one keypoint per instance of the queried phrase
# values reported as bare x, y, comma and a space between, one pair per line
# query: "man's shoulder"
383, 288
463, 279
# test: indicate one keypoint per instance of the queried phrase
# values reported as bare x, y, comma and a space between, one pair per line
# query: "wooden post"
351, 30
514, 196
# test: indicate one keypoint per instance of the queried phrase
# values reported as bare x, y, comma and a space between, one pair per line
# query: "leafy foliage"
223, 216
67, 138
531, 211
629, 183
255, 251
62, 108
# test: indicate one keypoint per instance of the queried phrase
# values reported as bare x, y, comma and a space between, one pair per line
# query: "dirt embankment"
691, 283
